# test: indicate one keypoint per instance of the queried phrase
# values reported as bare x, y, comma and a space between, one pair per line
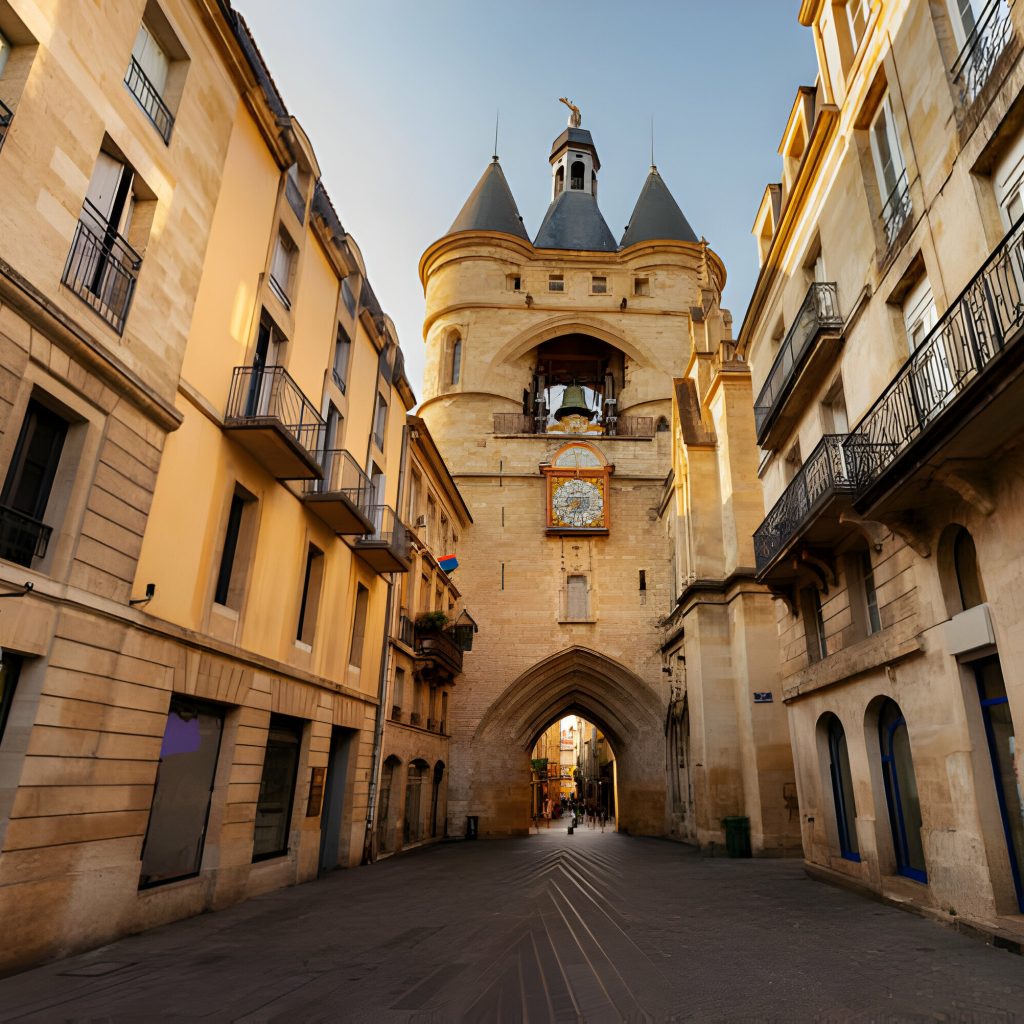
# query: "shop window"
901, 792
277, 788
309, 605
358, 639
10, 669
236, 554
173, 847
842, 789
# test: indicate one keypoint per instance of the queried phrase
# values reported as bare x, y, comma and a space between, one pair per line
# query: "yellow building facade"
205, 421
883, 337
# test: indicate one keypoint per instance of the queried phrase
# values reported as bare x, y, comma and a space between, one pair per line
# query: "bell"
574, 403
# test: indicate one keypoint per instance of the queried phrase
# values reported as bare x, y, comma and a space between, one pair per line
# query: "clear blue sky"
399, 98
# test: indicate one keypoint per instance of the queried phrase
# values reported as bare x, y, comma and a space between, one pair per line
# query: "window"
355, 654
342, 351
10, 669
332, 427
444, 712
415, 490
348, 297
515, 282
146, 79
29, 481
559, 180
599, 285
901, 792
380, 422
378, 482
919, 315
556, 283
387, 785
842, 789
277, 788
814, 624
1008, 182
867, 577
857, 14
173, 847
577, 598
793, 462
424, 593
415, 781
5, 52
310, 603
239, 542
576, 174
281, 266
641, 286
456, 360
890, 170
295, 192
965, 565
399, 691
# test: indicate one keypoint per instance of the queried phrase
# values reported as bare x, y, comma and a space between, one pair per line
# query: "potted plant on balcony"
431, 622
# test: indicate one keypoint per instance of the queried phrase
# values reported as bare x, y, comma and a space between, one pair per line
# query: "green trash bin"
737, 835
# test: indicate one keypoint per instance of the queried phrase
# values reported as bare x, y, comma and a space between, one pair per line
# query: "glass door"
901, 793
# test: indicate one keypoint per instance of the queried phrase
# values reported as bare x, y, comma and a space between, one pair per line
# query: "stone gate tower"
549, 390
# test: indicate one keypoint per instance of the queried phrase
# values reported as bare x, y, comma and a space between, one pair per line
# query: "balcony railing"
286, 424
623, 426
896, 211
102, 267
985, 319
387, 548
822, 477
6, 114
22, 538
441, 647
818, 313
149, 99
342, 495
981, 51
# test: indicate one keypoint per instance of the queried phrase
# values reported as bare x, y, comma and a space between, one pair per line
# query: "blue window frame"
901, 792
842, 790
995, 709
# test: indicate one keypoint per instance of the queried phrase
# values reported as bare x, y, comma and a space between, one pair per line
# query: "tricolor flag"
449, 563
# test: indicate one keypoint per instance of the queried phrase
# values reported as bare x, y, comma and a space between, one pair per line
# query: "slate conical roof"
573, 221
656, 215
490, 206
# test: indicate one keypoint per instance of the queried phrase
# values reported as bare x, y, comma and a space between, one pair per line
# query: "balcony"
955, 398
896, 211
518, 423
6, 114
986, 42
806, 353
149, 99
440, 650
274, 421
22, 538
808, 510
387, 548
342, 496
102, 268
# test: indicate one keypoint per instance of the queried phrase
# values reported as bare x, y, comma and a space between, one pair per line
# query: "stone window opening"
278, 780
386, 805
515, 282
17, 52
556, 283
834, 417
598, 285
577, 173
309, 604
559, 180
342, 354
157, 69
841, 782
959, 575
358, 637
577, 598
641, 286
237, 550
282, 267
814, 624
455, 362
862, 595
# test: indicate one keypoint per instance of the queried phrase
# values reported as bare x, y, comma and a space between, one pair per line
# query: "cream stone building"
204, 420
552, 366
884, 338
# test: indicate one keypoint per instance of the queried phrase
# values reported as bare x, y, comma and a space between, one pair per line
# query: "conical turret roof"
573, 221
656, 215
490, 206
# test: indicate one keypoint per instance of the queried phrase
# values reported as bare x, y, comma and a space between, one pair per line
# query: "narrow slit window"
355, 657
310, 603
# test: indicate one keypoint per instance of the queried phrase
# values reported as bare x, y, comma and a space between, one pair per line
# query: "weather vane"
575, 117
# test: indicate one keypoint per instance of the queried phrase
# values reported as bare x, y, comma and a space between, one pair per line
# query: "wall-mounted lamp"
150, 591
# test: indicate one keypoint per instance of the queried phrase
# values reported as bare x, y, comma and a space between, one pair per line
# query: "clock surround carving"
576, 491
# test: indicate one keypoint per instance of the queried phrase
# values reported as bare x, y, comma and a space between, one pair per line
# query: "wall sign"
762, 696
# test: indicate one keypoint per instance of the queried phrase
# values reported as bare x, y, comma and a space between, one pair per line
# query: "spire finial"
653, 165
575, 117
497, 116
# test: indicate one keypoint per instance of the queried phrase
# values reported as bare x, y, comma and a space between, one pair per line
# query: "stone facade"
883, 336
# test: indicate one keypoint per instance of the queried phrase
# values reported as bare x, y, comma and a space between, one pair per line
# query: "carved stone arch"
555, 327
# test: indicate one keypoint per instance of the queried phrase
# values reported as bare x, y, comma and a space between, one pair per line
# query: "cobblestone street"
594, 927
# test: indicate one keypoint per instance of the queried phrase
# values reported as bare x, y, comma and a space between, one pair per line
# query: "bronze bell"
574, 403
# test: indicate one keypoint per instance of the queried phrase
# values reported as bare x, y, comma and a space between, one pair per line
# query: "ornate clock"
577, 490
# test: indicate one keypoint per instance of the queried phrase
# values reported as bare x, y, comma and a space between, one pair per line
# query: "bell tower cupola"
574, 162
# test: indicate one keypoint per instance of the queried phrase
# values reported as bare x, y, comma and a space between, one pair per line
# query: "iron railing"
440, 643
388, 530
6, 114
278, 289
267, 394
342, 475
623, 426
983, 320
818, 312
294, 197
986, 42
149, 99
102, 267
896, 210
824, 475
22, 538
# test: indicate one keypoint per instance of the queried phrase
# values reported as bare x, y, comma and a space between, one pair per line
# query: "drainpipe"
382, 682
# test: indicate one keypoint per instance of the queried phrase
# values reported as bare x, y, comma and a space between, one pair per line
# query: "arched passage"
574, 681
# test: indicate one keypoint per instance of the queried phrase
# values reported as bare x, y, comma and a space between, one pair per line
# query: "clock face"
577, 503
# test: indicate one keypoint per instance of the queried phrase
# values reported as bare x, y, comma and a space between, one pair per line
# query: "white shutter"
152, 59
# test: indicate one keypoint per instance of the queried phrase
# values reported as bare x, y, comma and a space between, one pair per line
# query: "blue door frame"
895, 801
847, 843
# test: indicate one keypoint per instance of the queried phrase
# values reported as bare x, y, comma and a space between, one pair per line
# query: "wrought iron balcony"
896, 210
821, 479
102, 267
440, 649
622, 426
6, 114
986, 42
275, 422
342, 495
149, 99
818, 322
969, 352
22, 538
388, 547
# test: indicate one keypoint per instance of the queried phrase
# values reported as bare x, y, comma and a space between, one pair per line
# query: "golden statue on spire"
575, 117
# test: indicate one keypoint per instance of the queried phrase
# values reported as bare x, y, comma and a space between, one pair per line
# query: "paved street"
594, 927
